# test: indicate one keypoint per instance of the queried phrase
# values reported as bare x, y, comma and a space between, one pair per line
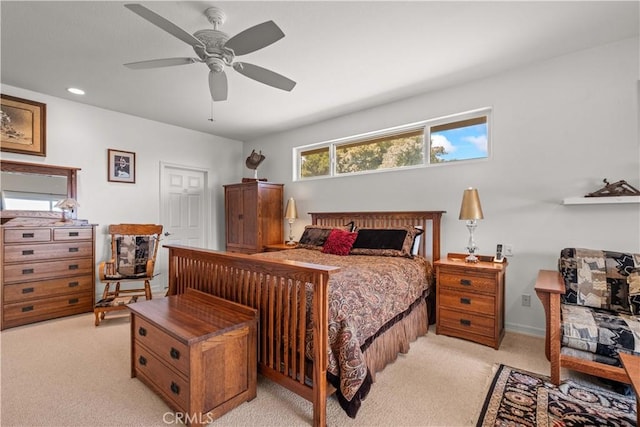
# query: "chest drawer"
173, 352
465, 282
72, 233
26, 253
47, 270
24, 235
166, 381
468, 302
77, 303
467, 322
46, 288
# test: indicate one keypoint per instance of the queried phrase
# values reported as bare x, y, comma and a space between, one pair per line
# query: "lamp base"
291, 243
471, 258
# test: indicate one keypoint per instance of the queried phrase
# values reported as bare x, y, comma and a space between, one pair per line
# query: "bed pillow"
339, 242
385, 241
416, 240
634, 292
314, 236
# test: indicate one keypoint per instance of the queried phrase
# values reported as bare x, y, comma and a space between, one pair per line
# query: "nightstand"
470, 299
278, 247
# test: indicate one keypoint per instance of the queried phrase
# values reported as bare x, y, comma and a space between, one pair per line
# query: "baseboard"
524, 329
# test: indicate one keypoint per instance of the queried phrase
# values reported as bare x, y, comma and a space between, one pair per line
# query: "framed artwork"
23, 126
122, 166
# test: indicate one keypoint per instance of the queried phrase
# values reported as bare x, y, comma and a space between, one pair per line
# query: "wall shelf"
601, 200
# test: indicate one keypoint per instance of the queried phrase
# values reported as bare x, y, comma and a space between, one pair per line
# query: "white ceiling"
345, 56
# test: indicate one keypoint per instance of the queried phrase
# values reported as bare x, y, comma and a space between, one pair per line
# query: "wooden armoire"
253, 216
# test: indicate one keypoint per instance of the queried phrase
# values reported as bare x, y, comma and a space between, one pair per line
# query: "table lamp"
471, 211
291, 214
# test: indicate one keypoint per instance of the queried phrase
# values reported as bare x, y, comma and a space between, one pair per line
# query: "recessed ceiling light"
75, 91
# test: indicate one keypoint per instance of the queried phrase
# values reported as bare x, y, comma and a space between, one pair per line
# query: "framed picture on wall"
122, 166
23, 126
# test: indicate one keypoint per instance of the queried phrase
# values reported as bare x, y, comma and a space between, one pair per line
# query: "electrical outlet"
508, 249
526, 300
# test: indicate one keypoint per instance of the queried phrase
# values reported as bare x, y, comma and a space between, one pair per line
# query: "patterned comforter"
365, 297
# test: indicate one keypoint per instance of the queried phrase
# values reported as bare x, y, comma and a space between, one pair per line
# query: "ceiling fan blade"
218, 85
155, 63
265, 76
254, 38
164, 24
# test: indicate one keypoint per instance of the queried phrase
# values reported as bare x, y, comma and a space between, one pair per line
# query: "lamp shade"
471, 208
291, 212
67, 204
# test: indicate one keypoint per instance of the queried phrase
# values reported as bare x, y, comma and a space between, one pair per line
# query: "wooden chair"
133, 255
580, 301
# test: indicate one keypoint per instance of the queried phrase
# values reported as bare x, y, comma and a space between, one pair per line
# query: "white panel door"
183, 210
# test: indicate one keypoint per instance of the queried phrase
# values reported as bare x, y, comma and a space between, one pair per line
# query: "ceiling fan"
214, 48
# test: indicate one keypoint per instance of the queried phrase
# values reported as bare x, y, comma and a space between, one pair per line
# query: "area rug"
520, 398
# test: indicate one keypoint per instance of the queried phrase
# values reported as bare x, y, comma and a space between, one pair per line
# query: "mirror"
30, 189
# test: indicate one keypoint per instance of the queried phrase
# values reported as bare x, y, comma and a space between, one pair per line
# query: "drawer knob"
73, 267
465, 300
73, 249
175, 388
465, 282
27, 290
28, 235
175, 354
27, 308
73, 301
73, 234
142, 331
28, 252
73, 284
27, 271
465, 322
142, 360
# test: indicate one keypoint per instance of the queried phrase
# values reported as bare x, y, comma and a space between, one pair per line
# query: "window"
13, 200
450, 139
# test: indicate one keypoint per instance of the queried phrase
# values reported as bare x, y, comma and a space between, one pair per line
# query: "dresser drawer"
77, 303
14, 273
467, 322
173, 352
166, 381
26, 253
47, 288
467, 282
72, 233
467, 301
23, 235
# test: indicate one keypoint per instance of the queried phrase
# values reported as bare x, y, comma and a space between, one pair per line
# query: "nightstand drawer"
467, 302
467, 322
467, 282
173, 352
166, 381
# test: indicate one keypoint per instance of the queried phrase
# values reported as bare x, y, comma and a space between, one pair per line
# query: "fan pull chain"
211, 117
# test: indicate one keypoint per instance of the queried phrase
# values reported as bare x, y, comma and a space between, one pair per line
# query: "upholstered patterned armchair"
592, 307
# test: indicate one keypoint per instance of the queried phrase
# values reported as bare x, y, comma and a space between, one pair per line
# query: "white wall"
79, 135
558, 128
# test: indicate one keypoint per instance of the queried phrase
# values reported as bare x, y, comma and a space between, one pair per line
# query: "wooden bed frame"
276, 288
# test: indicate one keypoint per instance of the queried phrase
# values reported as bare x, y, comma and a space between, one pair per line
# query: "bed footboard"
278, 290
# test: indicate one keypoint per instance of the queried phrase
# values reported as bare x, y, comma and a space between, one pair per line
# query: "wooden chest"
197, 352
47, 272
470, 299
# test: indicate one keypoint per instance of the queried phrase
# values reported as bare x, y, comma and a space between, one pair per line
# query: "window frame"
389, 133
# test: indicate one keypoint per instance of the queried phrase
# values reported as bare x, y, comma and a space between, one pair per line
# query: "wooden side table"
197, 352
631, 364
278, 247
470, 299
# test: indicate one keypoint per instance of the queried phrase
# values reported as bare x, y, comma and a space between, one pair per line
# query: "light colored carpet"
67, 372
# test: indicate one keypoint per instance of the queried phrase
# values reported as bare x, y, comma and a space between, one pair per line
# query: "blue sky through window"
469, 142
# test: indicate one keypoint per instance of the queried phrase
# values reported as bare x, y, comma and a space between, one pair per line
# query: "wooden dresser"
253, 216
470, 299
197, 352
47, 272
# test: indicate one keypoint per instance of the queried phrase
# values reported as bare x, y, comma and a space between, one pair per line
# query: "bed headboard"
428, 220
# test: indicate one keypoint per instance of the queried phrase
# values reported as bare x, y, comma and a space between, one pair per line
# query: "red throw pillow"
339, 242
